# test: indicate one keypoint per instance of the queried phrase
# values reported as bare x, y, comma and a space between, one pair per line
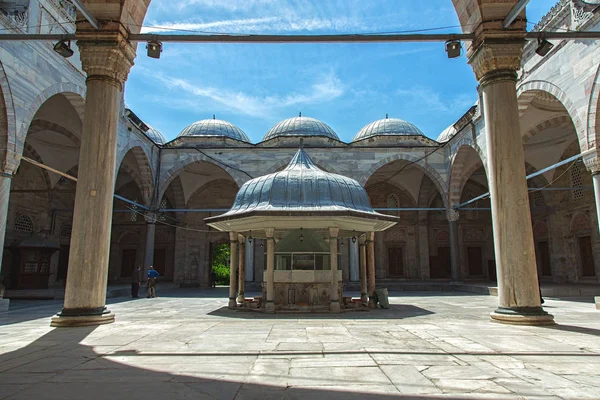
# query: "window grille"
163, 205
472, 214
65, 230
576, 182
134, 214
538, 198
393, 202
23, 224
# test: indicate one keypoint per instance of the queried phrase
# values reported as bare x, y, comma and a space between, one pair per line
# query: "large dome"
301, 186
155, 136
301, 126
388, 127
214, 127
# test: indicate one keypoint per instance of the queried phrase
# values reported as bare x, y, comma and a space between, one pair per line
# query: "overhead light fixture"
301, 238
154, 48
353, 236
543, 47
250, 237
64, 48
453, 48
342, 243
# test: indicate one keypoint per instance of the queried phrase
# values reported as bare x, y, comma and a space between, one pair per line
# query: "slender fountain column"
270, 304
107, 64
149, 251
333, 257
241, 269
233, 241
454, 249
362, 245
495, 66
371, 267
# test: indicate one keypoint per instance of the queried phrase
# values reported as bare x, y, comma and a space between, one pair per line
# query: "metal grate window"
576, 181
23, 224
393, 202
65, 230
538, 199
134, 214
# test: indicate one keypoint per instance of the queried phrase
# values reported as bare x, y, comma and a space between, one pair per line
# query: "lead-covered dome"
388, 127
214, 127
155, 136
301, 126
447, 134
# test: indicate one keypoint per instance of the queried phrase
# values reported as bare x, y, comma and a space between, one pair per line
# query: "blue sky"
345, 85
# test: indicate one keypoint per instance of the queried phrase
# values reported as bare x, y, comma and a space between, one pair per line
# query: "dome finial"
300, 114
387, 116
214, 116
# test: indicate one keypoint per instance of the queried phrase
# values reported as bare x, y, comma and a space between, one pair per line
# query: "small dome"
214, 127
155, 136
447, 134
301, 186
388, 127
301, 126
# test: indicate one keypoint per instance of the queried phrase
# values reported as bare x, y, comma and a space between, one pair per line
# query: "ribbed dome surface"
155, 136
301, 186
214, 127
301, 126
388, 127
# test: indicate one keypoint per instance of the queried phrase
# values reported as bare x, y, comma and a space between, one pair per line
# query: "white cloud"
328, 87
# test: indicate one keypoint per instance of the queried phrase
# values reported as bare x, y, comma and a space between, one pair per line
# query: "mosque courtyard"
186, 344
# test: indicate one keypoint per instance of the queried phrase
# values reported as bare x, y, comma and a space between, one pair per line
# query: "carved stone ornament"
108, 61
591, 159
582, 11
452, 215
497, 60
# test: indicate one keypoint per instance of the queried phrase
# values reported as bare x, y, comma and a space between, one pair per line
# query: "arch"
579, 222
145, 177
8, 126
38, 125
553, 122
460, 172
433, 174
166, 178
34, 154
74, 93
525, 98
594, 112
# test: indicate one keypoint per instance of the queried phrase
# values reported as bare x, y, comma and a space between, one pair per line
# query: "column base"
522, 316
83, 317
4, 305
334, 306
232, 302
270, 307
364, 298
372, 303
241, 298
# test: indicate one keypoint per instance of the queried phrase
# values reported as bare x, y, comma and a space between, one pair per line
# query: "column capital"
591, 159
106, 55
241, 239
362, 240
233, 237
6, 175
495, 61
151, 217
452, 215
334, 232
270, 232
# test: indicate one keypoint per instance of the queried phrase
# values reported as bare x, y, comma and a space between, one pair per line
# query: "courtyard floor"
186, 344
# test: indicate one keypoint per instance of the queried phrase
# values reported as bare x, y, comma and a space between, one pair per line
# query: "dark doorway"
439, 267
160, 258
127, 262
396, 262
587, 256
475, 258
543, 258
63, 263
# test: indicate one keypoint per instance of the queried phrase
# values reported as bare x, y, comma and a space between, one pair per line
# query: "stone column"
107, 63
5, 180
495, 65
241, 269
371, 267
591, 158
270, 303
454, 250
362, 245
333, 262
233, 261
149, 251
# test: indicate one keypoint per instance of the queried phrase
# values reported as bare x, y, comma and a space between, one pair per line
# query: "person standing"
136, 281
152, 275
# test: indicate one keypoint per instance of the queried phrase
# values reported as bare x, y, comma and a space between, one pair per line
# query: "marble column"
362, 245
270, 303
149, 251
371, 268
241, 269
333, 262
5, 180
107, 66
233, 261
454, 250
495, 65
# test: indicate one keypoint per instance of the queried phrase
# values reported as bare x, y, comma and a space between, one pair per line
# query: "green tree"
220, 264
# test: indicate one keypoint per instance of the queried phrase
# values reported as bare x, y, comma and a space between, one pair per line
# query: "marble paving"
185, 344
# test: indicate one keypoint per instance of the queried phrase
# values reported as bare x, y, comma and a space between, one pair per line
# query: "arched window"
65, 230
23, 224
576, 182
393, 202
